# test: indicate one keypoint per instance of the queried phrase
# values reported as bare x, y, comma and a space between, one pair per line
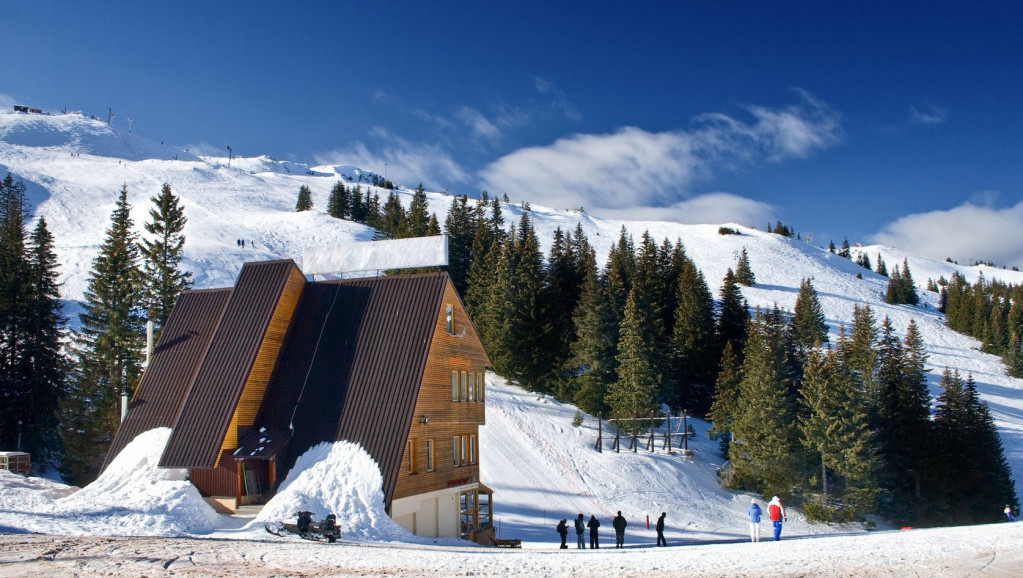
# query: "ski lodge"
249, 377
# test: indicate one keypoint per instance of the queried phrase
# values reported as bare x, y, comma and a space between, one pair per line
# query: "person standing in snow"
776, 512
1008, 512
660, 530
754, 520
619, 523
579, 529
563, 532
593, 524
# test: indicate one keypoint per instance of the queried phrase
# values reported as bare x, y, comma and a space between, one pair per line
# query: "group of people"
618, 523
775, 512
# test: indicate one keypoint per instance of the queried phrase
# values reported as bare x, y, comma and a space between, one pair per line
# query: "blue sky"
895, 122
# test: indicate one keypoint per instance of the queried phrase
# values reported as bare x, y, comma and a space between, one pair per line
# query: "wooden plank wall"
460, 351
259, 376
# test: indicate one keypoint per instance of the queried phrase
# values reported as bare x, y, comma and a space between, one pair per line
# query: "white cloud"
632, 168
480, 128
405, 162
7, 102
927, 114
559, 101
965, 233
712, 208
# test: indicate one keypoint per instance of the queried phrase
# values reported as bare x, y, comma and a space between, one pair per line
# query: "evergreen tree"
859, 355
15, 314
726, 398
305, 199
808, 327
733, 315
418, 214
863, 260
47, 361
460, 228
845, 251
974, 481
358, 210
693, 350
764, 452
834, 428
162, 254
108, 348
339, 201
393, 221
593, 353
882, 269
743, 272
528, 320
635, 391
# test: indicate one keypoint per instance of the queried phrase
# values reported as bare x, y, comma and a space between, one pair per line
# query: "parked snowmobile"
308, 529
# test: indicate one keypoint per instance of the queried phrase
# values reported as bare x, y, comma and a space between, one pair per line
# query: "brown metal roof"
183, 341
353, 363
221, 378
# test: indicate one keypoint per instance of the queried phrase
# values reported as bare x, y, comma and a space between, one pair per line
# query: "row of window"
464, 449
475, 510
466, 386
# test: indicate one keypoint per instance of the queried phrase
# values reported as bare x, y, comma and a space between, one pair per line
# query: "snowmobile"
307, 529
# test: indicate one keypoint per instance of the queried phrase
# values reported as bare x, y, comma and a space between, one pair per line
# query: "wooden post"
685, 431
600, 431
238, 465
635, 446
667, 434
650, 441
618, 438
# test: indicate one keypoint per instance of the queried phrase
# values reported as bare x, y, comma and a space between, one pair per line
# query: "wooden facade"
392, 363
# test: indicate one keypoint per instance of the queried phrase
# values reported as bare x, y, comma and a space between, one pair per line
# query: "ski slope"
74, 167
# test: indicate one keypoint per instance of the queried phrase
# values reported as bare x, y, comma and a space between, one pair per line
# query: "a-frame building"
250, 377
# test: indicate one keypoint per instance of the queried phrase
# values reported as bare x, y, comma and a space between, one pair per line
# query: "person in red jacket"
776, 512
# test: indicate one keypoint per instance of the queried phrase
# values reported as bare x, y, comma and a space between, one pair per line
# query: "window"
465, 453
472, 449
413, 458
450, 319
429, 455
465, 386
472, 387
454, 386
456, 444
467, 507
479, 387
484, 510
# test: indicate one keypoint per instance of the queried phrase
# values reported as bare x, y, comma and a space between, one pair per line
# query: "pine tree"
48, 364
834, 428
339, 201
882, 269
693, 351
808, 327
108, 348
726, 398
528, 320
15, 313
635, 391
743, 272
460, 228
764, 452
305, 199
733, 315
592, 354
393, 221
418, 214
162, 255
844, 251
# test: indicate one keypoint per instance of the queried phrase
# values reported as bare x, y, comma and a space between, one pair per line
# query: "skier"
619, 523
660, 530
593, 524
776, 512
563, 532
580, 527
1008, 512
754, 520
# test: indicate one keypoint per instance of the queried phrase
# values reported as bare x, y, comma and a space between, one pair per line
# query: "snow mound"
338, 478
135, 497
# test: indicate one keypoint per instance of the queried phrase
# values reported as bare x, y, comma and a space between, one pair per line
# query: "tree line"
990, 311
59, 392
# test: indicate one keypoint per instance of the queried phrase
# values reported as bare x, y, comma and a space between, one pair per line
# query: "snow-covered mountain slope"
74, 168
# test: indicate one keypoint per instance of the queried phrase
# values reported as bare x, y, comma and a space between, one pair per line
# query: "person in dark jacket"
329, 528
619, 524
660, 530
563, 532
580, 527
593, 524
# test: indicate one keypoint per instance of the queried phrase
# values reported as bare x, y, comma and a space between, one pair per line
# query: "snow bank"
341, 479
133, 497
